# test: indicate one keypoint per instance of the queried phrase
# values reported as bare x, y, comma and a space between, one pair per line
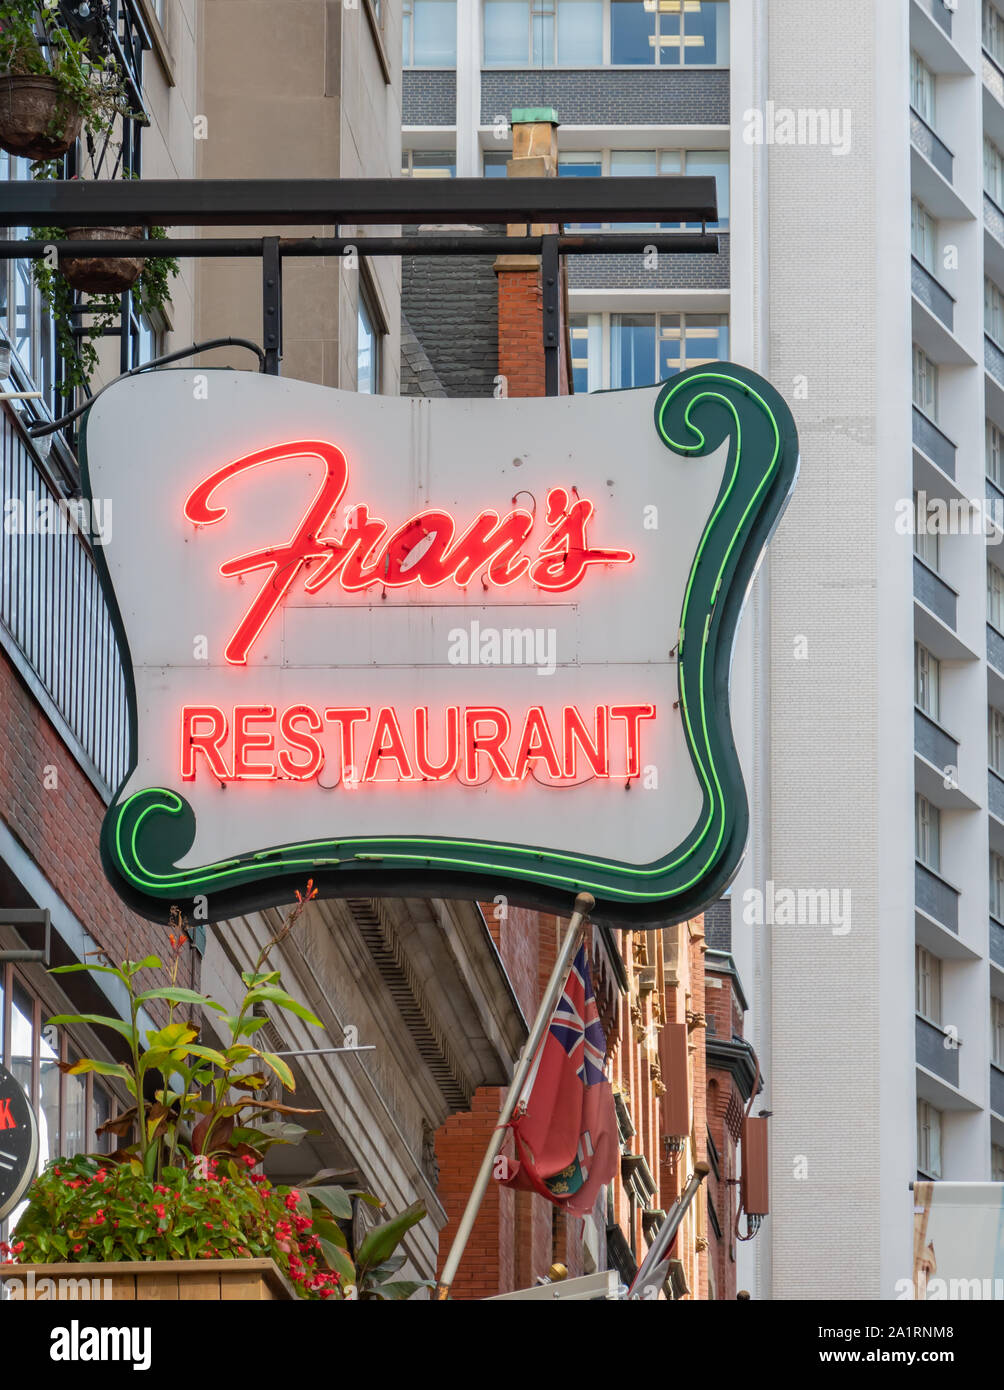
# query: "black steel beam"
362, 202
571, 244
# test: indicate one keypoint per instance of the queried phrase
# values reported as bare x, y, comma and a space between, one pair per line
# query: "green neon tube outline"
236, 868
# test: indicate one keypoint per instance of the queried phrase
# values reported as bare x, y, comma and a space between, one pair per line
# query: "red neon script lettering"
426, 549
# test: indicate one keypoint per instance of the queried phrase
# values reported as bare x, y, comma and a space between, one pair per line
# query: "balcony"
993, 218
995, 794
933, 442
941, 15
993, 77
993, 360
931, 294
936, 897
995, 648
932, 591
54, 624
930, 145
934, 1055
996, 1090
932, 743
997, 942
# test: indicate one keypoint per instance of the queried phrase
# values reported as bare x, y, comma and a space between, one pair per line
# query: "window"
429, 33
993, 311
69, 1109
367, 349
429, 164
995, 740
993, 32
928, 1002
922, 89
926, 681
996, 886
616, 351
993, 171
590, 33
22, 315
923, 234
928, 1139
925, 383
995, 596
997, 1032
495, 162
996, 1163
926, 539
995, 464
673, 32
928, 833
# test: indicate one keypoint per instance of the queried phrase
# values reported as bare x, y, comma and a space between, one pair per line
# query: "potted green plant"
103, 278
182, 1207
51, 84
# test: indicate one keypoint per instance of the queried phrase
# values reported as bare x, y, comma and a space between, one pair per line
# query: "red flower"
77, 1249
247, 1159
160, 1210
292, 1200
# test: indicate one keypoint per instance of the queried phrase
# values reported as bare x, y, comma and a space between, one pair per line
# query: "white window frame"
928, 1139
996, 886
993, 311
603, 372
923, 89
926, 540
926, 681
927, 828
925, 383
549, 9
993, 171
923, 235
997, 1031
408, 34
992, 32
995, 596
994, 453
995, 740
928, 985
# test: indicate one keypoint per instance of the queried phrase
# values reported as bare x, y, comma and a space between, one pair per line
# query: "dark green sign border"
144, 836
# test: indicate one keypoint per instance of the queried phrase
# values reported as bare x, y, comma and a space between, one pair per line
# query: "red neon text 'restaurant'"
254, 743
426, 549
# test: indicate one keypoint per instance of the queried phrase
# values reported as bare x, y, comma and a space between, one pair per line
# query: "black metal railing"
993, 359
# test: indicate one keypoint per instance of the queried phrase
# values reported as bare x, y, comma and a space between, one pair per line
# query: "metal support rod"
550, 284
584, 904
474, 244
271, 300
659, 1249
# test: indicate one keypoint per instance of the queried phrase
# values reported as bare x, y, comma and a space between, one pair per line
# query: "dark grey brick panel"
629, 272
429, 97
610, 96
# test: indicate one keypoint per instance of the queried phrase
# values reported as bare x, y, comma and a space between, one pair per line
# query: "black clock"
18, 1142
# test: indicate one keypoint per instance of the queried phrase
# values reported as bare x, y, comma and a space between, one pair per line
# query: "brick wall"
59, 826
611, 96
429, 97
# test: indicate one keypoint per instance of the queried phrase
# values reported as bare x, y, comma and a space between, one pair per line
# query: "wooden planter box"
154, 1280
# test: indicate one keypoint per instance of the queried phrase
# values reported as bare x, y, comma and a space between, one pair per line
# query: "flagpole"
584, 904
659, 1248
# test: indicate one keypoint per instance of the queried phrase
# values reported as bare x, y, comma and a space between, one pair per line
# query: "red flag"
564, 1124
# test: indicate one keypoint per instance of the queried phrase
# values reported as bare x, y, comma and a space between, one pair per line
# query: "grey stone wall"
451, 305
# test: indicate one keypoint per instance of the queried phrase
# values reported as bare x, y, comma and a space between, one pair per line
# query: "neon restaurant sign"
455, 648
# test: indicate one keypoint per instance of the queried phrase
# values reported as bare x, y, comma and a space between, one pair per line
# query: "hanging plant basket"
102, 274
37, 119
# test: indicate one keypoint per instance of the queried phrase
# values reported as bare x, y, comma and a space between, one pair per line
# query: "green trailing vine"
79, 355
32, 44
